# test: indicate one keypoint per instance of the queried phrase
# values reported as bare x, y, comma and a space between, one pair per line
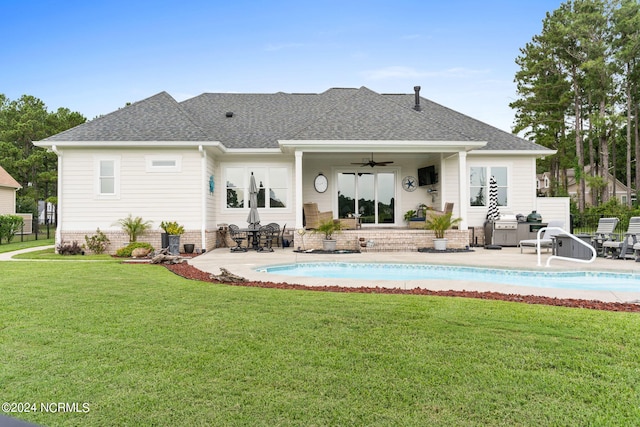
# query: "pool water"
584, 280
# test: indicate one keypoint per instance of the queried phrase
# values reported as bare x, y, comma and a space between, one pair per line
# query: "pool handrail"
563, 231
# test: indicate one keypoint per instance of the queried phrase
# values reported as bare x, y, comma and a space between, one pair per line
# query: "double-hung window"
479, 178
107, 172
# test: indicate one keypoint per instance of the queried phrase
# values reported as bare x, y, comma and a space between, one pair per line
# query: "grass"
145, 347
17, 245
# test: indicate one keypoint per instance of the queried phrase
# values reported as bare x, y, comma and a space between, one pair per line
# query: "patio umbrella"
254, 218
494, 213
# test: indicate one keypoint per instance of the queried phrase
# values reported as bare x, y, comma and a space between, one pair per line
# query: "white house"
191, 161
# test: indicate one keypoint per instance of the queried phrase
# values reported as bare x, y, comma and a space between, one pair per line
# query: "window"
107, 170
370, 194
164, 163
479, 185
271, 181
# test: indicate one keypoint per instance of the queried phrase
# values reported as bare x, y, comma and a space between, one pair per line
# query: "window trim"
175, 168
97, 160
245, 186
488, 169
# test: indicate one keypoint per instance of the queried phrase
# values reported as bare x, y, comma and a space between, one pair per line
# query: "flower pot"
188, 248
440, 244
174, 244
329, 245
164, 240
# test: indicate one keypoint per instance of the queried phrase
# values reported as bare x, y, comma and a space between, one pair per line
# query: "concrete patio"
245, 264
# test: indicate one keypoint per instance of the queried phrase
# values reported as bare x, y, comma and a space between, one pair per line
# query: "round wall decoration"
409, 183
321, 183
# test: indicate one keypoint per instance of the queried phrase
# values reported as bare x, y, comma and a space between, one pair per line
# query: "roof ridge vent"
417, 107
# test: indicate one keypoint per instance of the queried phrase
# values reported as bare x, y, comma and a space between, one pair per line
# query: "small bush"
98, 242
9, 226
125, 251
66, 248
134, 227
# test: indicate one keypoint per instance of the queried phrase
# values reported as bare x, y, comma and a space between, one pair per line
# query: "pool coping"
246, 264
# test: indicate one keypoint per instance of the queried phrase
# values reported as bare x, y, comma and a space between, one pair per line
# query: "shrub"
126, 251
66, 248
98, 242
134, 227
9, 226
172, 227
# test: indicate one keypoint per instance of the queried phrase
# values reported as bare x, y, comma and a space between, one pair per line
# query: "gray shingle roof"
260, 120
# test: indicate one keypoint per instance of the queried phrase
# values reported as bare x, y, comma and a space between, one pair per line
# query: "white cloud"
399, 72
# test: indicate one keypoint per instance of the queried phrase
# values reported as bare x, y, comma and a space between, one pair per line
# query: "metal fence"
38, 232
588, 224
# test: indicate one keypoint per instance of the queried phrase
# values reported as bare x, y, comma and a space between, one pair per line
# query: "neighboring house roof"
571, 178
261, 120
7, 180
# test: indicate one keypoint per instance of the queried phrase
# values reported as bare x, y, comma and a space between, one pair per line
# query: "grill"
504, 231
506, 223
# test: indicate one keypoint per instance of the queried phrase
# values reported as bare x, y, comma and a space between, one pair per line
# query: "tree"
22, 122
626, 46
576, 78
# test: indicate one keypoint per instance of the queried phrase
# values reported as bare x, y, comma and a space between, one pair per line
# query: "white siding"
521, 196
554, 208
155, 196
239, 216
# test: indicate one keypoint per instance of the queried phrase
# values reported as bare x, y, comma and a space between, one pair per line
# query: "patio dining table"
255, 231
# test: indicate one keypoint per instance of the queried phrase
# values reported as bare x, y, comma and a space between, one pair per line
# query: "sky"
94, 57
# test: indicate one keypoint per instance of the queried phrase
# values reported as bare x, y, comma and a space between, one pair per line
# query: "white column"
463, 200
298, 189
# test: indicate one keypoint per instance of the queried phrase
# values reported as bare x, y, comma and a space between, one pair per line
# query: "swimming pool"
584, 280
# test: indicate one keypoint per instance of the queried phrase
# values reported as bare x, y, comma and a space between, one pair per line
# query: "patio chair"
546, 239
313, 216
625, 247
276, 233
448, 208
604, 233
267, 233
238, 237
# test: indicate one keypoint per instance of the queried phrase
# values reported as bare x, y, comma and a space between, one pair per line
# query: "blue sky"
95, 56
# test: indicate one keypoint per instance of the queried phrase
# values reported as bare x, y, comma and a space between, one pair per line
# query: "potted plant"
328, 228
174, 231
409, 215
440, 224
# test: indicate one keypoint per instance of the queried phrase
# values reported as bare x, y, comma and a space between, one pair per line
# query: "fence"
588, 224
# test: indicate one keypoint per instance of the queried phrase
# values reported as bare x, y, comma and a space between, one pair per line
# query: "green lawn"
142, 346
17, 244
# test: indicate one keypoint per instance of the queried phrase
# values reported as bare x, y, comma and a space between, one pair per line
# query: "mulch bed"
190, 272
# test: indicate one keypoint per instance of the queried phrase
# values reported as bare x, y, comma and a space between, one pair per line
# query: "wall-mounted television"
427, 176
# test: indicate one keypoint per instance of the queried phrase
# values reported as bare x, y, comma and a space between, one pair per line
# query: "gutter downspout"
59, 209
203, 201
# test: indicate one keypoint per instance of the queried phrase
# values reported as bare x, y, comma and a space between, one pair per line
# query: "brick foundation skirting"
383, 240
119, 239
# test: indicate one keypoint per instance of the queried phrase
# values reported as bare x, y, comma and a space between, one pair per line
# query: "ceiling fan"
373, 163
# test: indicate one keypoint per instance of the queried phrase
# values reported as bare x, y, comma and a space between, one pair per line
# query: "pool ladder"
562, 230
